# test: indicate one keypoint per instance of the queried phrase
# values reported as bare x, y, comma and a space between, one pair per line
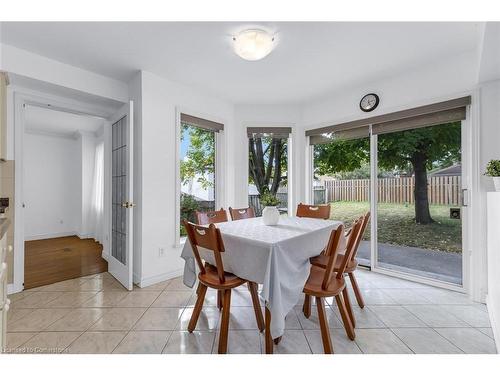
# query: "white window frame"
291, 188
220, 160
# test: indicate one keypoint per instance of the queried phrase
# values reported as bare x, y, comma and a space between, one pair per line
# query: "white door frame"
22, 98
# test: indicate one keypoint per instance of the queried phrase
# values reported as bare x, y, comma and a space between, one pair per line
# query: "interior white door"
120, 195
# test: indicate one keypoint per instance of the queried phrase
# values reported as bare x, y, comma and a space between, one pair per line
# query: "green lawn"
396, 225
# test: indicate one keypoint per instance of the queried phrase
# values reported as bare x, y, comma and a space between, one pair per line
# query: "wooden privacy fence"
445, 190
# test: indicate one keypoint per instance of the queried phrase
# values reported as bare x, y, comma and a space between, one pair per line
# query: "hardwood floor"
57, 259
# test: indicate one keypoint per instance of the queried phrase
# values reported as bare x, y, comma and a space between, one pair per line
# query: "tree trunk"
422, 213
277, 166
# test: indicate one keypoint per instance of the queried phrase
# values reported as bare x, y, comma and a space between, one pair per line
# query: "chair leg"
220, 297
323, 323
348, 306
357, 291
269, 339
345, 317
226, 304
306, 308
202, 290
256, 305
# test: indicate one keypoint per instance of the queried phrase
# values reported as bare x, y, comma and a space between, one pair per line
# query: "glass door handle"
465, 196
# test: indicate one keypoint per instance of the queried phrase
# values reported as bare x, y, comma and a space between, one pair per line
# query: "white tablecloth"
275, 256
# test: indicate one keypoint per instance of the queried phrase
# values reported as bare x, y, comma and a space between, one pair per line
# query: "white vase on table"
270, 215
496, 182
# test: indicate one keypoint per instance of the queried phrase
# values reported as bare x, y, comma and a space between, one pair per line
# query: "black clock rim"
377, 100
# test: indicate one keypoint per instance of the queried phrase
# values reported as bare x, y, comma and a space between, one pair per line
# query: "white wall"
28, 64
86, 154
489, 114
157, 172
493, 200
51, 165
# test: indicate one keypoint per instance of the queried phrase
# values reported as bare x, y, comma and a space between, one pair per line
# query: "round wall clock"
369, 102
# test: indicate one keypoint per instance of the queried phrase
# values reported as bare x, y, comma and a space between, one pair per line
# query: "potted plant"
270, 213
493, 170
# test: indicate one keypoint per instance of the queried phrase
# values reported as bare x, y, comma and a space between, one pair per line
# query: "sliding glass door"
341, 178
407, 169
419, 198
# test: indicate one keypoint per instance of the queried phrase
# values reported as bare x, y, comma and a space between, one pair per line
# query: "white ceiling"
310, 59
49, 121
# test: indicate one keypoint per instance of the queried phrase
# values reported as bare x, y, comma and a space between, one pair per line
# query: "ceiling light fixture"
253, 44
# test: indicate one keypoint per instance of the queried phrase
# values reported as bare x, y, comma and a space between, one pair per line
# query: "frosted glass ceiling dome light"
253, 44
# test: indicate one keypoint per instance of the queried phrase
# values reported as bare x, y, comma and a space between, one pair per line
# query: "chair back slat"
332, 248
312, 211
351, 245
366, 219
208, 238
211, 217
241, 213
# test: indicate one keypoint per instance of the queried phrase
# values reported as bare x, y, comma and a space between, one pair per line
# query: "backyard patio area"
433, 250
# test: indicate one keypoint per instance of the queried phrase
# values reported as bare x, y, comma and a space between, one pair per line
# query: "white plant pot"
270, 215
496, 182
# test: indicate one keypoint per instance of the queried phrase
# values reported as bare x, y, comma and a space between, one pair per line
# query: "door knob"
128, 204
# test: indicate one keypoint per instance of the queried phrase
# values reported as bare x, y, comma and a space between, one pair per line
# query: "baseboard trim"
50, 235
14, 288
105, 256
494, 322
150, 280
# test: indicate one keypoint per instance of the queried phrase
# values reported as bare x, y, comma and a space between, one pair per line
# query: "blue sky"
185, 144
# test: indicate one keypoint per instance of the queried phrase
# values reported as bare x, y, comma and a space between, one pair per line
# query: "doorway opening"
63, 195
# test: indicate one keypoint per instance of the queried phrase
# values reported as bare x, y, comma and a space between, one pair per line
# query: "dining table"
276, 256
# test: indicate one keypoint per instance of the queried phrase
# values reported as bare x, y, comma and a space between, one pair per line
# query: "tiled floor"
95, 314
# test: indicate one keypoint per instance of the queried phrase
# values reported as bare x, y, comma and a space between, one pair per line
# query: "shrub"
493, 168
268, 199
188, 207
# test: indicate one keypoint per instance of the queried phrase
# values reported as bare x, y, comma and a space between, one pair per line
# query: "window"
268, 165
197, 167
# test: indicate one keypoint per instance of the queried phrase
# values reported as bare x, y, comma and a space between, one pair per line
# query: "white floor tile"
425, 341
143, 342
435, 316
469, 314
183, 342
470, 340
341, 343
396, 316
380, 341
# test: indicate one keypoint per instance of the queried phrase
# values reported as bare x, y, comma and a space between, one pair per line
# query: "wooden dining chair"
325, 282
313, 211
241, 213
214, 276
354, 237
211, 217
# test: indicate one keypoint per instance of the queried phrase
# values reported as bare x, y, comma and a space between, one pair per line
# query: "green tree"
267, 163
412, 151
200, 156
